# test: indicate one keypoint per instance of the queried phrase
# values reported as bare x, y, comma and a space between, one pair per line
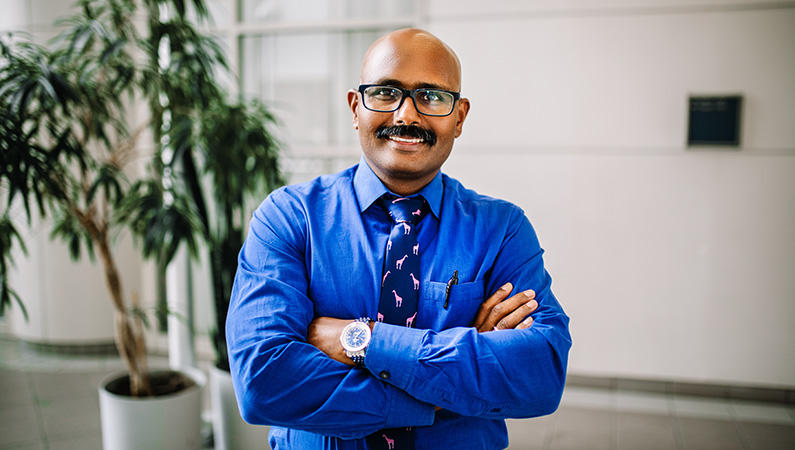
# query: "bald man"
360, 315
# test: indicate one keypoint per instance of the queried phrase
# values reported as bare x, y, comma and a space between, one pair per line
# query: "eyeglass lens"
428, 101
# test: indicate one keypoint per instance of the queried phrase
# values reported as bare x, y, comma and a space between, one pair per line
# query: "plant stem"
129, 335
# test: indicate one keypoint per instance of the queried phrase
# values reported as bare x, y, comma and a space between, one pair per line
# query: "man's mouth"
406, 134
405, 140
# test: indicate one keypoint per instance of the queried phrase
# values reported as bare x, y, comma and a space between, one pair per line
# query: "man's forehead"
412, 58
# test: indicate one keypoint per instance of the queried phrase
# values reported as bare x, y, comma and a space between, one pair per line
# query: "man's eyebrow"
389, 82
396, 83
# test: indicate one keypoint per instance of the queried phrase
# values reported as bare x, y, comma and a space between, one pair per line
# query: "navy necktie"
400, 288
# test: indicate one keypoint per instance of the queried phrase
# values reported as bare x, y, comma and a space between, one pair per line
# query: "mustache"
413, 131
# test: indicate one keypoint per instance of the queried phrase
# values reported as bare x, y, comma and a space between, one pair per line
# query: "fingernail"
495, 329
506, 287
531, 304
529, 293
528, 321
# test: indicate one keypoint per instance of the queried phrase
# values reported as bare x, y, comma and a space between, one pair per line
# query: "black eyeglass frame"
409, 93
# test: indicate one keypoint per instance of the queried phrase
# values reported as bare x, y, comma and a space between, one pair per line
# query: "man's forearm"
511, 373
290, 383
499, 311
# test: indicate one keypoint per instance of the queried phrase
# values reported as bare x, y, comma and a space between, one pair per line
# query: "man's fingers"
485, 307
516, 318
525, 324
503, 309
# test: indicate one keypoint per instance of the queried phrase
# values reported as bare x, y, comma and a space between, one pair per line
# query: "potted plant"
228, 144
68, 136
240, 157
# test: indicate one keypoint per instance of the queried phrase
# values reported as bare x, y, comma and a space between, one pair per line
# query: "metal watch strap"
358, 360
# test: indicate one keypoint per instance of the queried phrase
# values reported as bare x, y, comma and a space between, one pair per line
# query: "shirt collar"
368, 188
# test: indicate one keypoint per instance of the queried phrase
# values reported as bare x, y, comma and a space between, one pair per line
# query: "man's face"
408, 64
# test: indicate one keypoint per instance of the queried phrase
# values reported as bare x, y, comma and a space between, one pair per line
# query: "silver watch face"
355, 336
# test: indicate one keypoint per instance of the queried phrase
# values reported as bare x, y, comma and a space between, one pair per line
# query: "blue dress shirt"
317, 249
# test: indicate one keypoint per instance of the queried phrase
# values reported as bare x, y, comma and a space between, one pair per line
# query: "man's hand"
496, 313
324, 333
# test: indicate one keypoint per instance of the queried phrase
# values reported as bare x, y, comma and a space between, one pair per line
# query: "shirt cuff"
391, 356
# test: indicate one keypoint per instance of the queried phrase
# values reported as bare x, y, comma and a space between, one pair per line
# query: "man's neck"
406, 187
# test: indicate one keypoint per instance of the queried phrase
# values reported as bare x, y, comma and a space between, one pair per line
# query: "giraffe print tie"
400, 288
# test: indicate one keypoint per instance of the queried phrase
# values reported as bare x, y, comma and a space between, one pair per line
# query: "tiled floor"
51, 402
618, 419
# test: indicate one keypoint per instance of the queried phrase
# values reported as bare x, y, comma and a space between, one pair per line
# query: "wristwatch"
354, 338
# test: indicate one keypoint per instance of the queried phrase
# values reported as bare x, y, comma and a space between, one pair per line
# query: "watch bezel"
365, 327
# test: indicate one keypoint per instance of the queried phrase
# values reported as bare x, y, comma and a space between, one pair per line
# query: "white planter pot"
230, 431
162, 422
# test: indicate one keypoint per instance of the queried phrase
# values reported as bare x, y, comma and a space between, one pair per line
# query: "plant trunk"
129, 334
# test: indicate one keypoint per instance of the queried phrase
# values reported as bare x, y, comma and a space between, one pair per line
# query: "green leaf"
9, 234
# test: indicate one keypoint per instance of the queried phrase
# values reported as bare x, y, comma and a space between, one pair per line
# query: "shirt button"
384, 375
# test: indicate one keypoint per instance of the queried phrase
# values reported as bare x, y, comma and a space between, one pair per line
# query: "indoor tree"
69, 138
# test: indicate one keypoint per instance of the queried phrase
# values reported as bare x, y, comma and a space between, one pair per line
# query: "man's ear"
461, 114
353, 103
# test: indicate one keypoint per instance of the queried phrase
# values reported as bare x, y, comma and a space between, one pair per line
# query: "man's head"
404, 147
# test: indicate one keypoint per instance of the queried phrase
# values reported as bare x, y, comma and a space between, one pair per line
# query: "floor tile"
86, 442
629, 401
12, 379
766, 436
70, 417
35, 445
638, 431
58, 385
762, 412
14, 389
582, 397
19, 431
708, 434
576, 428
527, 434
24, 411
706, 408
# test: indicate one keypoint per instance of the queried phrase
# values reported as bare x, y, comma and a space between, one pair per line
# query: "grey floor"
50, 402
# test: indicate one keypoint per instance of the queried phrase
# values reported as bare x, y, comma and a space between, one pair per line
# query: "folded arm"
279, 378
518, 370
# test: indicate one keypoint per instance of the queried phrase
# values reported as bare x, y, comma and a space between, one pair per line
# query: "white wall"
673, 263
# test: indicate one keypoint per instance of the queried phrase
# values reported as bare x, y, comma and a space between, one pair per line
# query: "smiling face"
403, 157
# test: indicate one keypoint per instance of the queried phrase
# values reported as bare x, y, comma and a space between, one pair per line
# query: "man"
394, 240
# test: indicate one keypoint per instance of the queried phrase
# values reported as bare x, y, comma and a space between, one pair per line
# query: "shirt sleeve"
497, 374
279, 378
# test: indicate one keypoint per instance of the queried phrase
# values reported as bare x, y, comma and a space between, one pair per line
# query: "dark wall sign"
714, 121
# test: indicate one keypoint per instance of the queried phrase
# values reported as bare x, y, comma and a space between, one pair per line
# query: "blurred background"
674, 259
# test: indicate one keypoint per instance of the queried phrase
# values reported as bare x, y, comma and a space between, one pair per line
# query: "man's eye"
432, 97
385, 93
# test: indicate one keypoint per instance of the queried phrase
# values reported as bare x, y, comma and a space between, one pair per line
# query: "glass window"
281, 11
304, 79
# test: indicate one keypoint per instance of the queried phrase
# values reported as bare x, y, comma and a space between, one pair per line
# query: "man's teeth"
406, 140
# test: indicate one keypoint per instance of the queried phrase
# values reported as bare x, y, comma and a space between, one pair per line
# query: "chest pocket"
462, 305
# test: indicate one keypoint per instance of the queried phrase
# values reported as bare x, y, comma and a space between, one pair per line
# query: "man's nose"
407, 114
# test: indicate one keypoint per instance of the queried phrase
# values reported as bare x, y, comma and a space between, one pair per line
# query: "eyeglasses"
429, 102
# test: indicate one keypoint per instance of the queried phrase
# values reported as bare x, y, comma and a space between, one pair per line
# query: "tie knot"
405, 209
